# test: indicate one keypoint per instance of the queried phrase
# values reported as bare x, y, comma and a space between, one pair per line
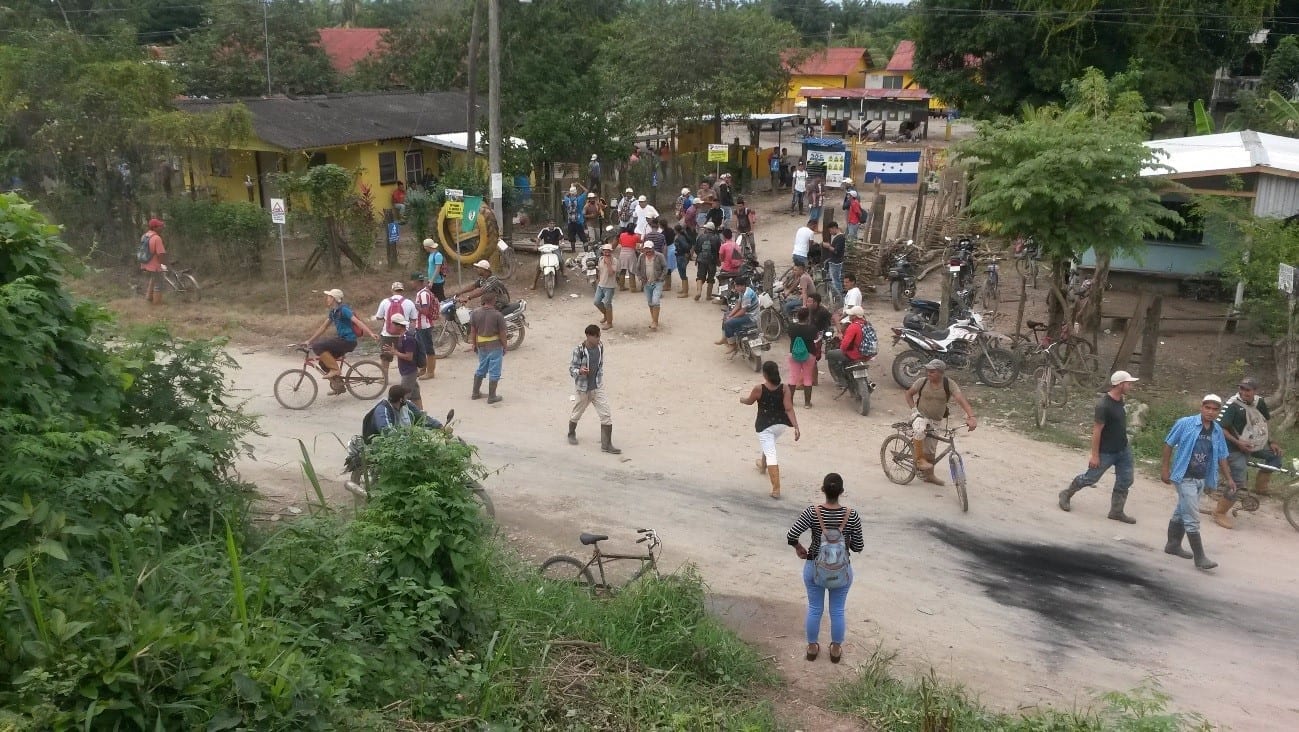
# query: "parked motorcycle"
964, 345
961, 262
453, 326
923, 314
549, 266
858, 382
902, 276
750, 342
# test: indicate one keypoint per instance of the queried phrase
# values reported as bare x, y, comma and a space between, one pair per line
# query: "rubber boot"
699, 290
1068, 493
685, 288
478, 388
491, 392
773, 474
622, 281
1221, 515
708, 296
1116, 508
1174, 545
157, 297
654, 317
1197, 551
930, 477
606, 440
918, 451
1261, 483
572, 433
608, 317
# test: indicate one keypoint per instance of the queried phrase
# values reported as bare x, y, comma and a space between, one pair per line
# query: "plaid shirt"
578, 361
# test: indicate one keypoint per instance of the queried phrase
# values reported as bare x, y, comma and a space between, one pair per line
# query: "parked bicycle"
297, 389
1028, 259
1065, 367
897, 456
181, 282
1073, 353
563, 568
990, 290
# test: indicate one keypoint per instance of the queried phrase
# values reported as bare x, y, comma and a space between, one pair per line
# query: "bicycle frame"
647, 560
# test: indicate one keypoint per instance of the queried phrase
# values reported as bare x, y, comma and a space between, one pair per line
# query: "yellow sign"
455, 209
718, 153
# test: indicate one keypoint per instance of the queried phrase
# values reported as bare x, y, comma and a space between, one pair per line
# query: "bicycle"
1072, 352
1248, 501
181, 282
297, 389
897, 457
563, 568
990, 290
1028, 259
1063, 369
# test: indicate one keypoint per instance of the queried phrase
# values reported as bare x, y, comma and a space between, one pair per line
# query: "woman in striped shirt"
832, 515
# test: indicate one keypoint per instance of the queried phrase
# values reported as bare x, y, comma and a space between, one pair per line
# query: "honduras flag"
893, 167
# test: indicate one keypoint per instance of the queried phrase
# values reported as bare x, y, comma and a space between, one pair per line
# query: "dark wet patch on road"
1088, 597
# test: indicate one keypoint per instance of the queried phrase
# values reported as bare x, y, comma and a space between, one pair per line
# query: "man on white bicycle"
928, 399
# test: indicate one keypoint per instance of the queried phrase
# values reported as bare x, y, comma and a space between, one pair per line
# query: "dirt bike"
964, 345
858, 382
453, 326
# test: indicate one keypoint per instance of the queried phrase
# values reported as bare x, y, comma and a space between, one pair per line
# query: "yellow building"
898, 74
830, 68
375, 133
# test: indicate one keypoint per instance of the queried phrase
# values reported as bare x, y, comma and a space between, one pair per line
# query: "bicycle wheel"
507, 264
770, 323
445, 338
1291, 508
990, 296
365, 379
999, 368
484, 500
295, 389
897, 459
957, 467
187, 287
1041, 397
560, 568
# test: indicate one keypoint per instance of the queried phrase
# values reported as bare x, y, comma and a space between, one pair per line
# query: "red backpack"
394, 308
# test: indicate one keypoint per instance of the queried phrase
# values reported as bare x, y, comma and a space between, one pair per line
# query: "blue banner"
393, 232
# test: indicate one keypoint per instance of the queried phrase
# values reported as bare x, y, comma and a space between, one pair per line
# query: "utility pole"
471, 111
494, 105
266, 36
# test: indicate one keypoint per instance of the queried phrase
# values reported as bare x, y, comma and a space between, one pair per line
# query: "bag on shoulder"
145, 251
799, 350
831, 569
368, 427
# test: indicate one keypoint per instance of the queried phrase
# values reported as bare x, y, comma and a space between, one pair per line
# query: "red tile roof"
346, 46
855, 93
903, 57
830, 62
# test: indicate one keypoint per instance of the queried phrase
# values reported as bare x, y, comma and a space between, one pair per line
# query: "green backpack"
799, 350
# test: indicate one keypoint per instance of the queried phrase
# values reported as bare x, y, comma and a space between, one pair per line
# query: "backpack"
420, 358
947, 391
799, 350
368, 427
831, 570
847, 201
394, 308
145, 252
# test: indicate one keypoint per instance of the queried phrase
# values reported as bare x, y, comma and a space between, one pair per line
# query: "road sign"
718, 153
454, 194
393, 232
455, 209
498, 186
277, 211
1285, 279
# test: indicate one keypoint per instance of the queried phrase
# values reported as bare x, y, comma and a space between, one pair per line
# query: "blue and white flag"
893, 167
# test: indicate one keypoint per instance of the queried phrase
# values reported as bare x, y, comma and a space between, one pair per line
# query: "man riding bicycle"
928, 399
346, 325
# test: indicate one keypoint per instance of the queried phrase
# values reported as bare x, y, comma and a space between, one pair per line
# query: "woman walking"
775, 415
825, 521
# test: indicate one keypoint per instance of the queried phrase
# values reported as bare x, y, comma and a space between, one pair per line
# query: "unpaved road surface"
1022, 603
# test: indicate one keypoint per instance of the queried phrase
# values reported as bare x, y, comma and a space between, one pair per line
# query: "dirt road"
1017, 600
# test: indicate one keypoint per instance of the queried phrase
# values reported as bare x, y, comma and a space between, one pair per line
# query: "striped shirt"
832, 517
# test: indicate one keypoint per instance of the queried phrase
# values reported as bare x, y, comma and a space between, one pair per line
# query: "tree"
330, 191
1281, 73
427, 52
1070, 176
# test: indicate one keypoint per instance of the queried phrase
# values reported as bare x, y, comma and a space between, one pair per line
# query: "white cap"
1119, 377
399, 319
647, 245
710, 225
847, 181
642, 199
856, 311
335, 293
629, 191
1211, 398
398, 287
593, 156
606, 247
936, 365
685, 191
430, 244
483, 264
572, 189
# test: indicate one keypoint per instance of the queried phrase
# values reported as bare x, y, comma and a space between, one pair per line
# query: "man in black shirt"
1109, 448
550, 234
835, 251
817, 315
726, 195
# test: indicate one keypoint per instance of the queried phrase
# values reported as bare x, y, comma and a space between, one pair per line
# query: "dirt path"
1017, 600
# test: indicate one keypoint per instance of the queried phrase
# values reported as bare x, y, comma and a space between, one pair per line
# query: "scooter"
857, 383
964, 345
549, 266
453, 327
902, 276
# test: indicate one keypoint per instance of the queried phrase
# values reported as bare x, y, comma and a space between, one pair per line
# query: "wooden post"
879, 219
920, 202
902, 222
1129, 343
876, 233
1150, 338
1023, 301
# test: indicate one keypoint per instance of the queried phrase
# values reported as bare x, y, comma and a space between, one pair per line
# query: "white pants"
597, 399
767, 441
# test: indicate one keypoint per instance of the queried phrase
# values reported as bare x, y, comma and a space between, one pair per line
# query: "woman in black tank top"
775, 414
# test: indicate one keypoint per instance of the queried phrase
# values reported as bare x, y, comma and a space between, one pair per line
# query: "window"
317, 159
414, 167
387, 168
221, 163
893, 82
1191, 228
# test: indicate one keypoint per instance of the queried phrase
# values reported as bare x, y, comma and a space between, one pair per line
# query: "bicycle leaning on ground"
297, 389
181, 282
564, 568
897, 456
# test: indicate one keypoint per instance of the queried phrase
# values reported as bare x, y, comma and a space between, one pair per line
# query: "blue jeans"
682, 261
1122, 464
731, 327
816, 606
604, 297
792, 304
836, 276
1186, 511
814, 212
800, 259
653, 293
489, 363
852, 231
796, 200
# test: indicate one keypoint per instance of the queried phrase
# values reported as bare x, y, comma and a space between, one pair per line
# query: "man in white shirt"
803, 241
396, 304
851, 297
800, 187
644, 213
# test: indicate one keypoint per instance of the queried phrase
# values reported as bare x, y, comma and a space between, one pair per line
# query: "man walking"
800, 188
644, 213
928, 399
1109, 448
651, 270
587, 369
593, 173
487, 338
427, 307
436, 272
406, 351
726, 197
605, 283
156, 262
1201, 453
1244, 423
396, 304
707, 250
574, 205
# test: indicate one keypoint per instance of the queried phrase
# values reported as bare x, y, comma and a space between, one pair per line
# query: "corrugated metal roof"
903, 58
855, 93
346, 46
830, 62
1245, 151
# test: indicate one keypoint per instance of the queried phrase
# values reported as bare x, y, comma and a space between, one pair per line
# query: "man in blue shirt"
436, 279
1200, 451
741, 316
346, 326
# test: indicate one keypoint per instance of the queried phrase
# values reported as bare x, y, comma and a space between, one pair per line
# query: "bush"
231, 236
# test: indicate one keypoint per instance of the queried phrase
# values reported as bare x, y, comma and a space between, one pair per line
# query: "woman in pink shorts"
803, 347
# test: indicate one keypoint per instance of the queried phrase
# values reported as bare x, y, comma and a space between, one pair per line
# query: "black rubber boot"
606, 440
478, 388
1174, 545
572, 433
1197, 549
1116, 508
491, 392
1066, 494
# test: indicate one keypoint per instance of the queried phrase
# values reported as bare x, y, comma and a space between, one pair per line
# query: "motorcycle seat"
923, 304
510, 308
589, 539
938, 335
1035, 324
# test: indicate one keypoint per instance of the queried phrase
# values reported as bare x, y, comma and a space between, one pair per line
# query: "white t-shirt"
643, 215
852, 297
803, 240
800, 180
407, 309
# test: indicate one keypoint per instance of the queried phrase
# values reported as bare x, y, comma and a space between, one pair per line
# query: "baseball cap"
399, 319
594, 156
1119, 377
685, 191
629, 191
852, 193
710, 225
398, 287
335, 293
856, 311
155, 223
642, 199
936, 365
1249, 382
606, 247
1211, 398
572, 189
430, 244
847, 181
483, 264
417, 276
647, 245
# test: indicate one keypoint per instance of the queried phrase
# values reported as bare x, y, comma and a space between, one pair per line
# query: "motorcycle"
453, 327
750, 343
858, 382
586, 263
966, 344
902, 276
549, 266
961, 263
923, 314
